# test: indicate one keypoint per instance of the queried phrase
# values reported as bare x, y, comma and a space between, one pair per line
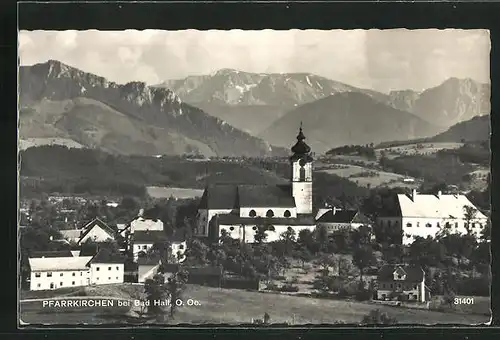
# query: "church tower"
301, 161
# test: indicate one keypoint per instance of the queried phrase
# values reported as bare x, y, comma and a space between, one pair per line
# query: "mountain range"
59, 101
231, 112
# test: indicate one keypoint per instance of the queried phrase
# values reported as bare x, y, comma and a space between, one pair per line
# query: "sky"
382, 60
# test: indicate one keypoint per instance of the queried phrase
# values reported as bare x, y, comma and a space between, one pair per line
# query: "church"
240, 209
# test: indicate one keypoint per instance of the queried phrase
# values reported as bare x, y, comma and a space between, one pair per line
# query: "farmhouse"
97, 231
50, 272
401, 282
140, 223
71, 235
143, 241
336, 220
58, 272
106, 268
427, 215
241, 210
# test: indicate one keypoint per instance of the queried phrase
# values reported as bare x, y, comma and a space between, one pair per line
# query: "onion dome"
301, 150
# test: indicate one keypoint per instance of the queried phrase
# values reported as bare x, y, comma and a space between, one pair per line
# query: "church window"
408, 225
448, 225
428, 225
271, 228
270, 213
252, 213
289, 229
287, 213
254, 228
302, 174
231, 228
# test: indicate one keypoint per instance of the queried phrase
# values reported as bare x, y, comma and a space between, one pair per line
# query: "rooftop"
59, 263
413, 273
149, 236
105, 256
46, 254
233, 219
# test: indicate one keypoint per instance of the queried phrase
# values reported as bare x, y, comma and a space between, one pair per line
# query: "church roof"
343, 216
234, 196
262, 196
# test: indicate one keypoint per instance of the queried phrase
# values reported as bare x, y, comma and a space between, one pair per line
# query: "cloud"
383, 60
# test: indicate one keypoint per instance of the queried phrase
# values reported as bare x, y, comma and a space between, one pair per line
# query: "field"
417, 149
178, 193
366, 176
233, 306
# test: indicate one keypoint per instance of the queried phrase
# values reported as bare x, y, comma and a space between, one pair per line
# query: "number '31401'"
463, 301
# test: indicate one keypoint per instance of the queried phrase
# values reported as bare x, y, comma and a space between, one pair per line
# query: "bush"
289, 288
376, 317
273, 287
364, 294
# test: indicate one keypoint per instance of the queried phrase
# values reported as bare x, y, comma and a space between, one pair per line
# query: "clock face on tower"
302, 162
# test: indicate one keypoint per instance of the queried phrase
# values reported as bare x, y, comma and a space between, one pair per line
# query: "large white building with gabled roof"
428, 215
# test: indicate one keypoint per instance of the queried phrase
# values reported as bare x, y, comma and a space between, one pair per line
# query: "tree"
288, 238
377, 317
470, 213
322, 237
198, 252
363, 257
260, 234
326, 261
306, 239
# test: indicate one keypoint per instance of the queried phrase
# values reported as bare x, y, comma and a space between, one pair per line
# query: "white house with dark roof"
106, 268
240, 209
143, 241
96, 230
427, 215
141, 223
335, 220
401, 282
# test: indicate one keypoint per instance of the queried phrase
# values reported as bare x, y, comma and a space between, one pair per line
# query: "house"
141, 223
401, 282
58, 272
147, 267
52, 272
72, 235
241, 209
335, 220
142, 241
97, 231
428, 215
47, 254
106, 267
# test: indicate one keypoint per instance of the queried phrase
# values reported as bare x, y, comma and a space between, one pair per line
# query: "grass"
232, 306
425, 149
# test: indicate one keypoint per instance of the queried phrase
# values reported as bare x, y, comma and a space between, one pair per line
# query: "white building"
336, 220
141, 224
143, 241
97, 231
60, 272
427, 215
401, 282
241, 209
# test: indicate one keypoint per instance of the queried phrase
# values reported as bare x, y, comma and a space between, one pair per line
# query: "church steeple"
301, 150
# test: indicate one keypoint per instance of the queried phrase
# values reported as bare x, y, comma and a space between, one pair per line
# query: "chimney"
141, 212
413, 194
439, 194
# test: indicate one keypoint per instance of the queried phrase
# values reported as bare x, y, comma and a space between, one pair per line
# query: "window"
117, 277
456, 224
49, 274
181, 246
252, 213
428, 225
109, 279
74, 274
271, 228
144, 247
254, 228
37, 275
480, 226
118, 268
438, 225
389, 224
38, 285
81, 274
60, 284
383, 285
287, 213
97, 278
408, 225
269, 213
473, 225
231, 228
448, 225
415, 296
109, 268
418, 224
73, 283
302, 174
391, 286
61, 274
97, 268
